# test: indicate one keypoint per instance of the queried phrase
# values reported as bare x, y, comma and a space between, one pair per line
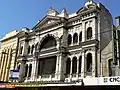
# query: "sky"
17, 14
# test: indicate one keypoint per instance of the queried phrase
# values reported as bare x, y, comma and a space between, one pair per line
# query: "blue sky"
16, 14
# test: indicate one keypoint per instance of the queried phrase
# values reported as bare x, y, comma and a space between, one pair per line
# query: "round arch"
89, 32
48, 36
68, 65
74, 65
89, 62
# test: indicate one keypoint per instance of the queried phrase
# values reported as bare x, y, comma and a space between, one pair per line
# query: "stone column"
1, 65
25, 48
35, 64
22, 71
57, 67
72, 40
93, 64
83, 65
4, 66
60, 71
83, 31
61, 66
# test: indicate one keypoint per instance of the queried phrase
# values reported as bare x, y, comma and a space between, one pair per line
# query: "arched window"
69, 39
32, 49
28, 49
30, 70
26, 70
48, 42
74, 65
89, 62
89, 33
111, 67
80, 61
80, 37
21, 49
68, 65
75, 38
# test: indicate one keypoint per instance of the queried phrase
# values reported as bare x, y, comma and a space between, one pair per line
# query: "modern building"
8, 53
64, 47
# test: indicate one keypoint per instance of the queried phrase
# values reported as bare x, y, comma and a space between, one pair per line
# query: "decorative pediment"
48, 20
88, 5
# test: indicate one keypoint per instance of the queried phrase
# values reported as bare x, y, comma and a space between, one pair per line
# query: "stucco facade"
8, 53
65, 47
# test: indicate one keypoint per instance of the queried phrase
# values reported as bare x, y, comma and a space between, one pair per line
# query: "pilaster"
83, 69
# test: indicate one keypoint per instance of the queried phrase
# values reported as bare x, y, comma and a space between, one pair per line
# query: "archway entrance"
89, 64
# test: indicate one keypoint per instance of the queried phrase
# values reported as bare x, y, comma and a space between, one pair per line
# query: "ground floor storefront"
66, 88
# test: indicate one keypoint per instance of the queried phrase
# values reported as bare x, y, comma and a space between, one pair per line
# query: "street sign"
14, 74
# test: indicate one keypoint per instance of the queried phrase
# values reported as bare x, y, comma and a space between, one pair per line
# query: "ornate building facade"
8, 54
66, 47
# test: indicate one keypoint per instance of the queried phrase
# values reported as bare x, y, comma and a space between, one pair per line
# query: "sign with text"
14, 74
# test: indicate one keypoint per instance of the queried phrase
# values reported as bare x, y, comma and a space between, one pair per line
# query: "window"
69, 39
28, 49
111, 68
80, 37
68, 65
74, 66
32, 49
89, 33
80, 60
75, 38
89, 62
48, 42
21, 49
30, 70
26, 70
47, 65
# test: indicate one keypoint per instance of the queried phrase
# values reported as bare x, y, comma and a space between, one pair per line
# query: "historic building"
66, 47
8, 54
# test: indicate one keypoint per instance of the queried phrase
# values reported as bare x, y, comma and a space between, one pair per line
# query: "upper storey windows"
75, 37
30, 49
